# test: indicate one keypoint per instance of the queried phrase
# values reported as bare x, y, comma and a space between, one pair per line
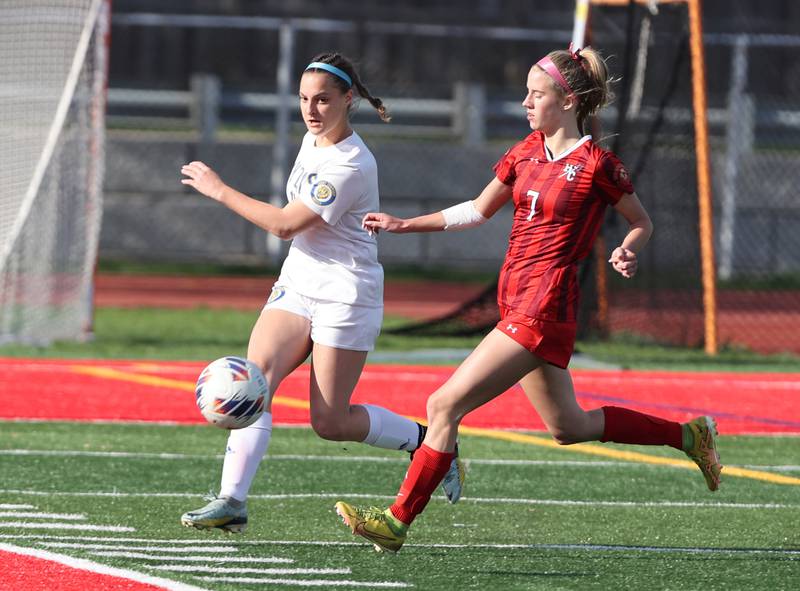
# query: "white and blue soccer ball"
231, 392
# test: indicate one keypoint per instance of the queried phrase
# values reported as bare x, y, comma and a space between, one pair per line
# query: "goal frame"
93, 44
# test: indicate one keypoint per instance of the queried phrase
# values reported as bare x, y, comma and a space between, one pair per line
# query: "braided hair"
344, 64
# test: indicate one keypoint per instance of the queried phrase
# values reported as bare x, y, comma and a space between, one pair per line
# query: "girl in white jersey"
328, 300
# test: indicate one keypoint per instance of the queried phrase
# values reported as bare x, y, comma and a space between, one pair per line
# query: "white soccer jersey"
338, 260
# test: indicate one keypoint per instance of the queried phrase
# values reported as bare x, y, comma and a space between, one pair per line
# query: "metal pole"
102, 52
703, 177
280, 149
475, 132
740, 122
579, 26
206, 98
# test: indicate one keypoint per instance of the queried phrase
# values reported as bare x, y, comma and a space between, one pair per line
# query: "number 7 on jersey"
534, 195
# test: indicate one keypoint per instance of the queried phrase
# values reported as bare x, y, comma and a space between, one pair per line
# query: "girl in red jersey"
560, 183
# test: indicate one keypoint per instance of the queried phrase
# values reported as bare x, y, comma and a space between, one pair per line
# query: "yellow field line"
617, 454
585, 448
124, 376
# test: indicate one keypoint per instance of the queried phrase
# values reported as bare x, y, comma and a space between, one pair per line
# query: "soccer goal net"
53, 58
651, 126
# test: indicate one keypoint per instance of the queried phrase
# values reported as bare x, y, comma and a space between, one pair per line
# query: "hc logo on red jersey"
570, 170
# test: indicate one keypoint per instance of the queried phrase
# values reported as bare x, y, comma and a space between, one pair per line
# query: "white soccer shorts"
333, 324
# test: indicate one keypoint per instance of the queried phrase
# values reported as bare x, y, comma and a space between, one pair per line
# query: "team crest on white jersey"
323, 193
570, 170
277, 293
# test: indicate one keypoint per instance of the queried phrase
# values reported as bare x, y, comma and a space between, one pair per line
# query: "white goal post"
53, 70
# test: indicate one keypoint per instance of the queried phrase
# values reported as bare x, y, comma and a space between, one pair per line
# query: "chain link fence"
187, 86
754, 137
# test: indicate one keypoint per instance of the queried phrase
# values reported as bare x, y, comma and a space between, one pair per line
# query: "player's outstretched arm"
285, 223
467, 214
432, 222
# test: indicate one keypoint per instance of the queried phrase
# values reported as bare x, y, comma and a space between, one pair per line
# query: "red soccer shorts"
548, 340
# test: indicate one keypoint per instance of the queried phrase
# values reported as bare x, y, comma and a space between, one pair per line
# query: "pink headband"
548, 66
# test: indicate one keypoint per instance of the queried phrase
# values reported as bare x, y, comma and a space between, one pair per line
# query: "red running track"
59, 390
24, 569
412, 299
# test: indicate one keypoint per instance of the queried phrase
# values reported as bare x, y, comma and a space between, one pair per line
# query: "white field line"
73, 420
87, 565
240, 570
106, 454
588, 547
13, 506
206, 548
226, 559
64, 526
37, 515
282, 425
581, 547
480, 500
373, 459
100, 494
308, 582
786, 468
632, 504
80, 541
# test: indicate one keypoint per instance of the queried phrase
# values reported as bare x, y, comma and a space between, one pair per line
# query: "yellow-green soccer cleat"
373, 524
704, 449
222, 513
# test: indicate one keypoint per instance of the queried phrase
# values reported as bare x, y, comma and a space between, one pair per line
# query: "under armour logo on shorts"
511, 328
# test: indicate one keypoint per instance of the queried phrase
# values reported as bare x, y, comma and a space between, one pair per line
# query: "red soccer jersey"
558, 209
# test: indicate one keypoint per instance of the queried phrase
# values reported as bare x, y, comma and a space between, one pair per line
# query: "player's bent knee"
330, 429
440, 408
576, 427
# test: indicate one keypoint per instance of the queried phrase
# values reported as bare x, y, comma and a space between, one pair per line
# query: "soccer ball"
231, 392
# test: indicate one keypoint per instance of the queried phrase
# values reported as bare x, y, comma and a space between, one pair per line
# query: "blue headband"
332, 69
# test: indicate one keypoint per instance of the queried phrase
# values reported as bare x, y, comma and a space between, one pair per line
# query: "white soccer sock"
389, 430
246, 449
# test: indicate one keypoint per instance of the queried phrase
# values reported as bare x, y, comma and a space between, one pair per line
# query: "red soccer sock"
628, 426
424, 474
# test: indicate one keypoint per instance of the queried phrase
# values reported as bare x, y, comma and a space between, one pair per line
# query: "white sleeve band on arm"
462, 216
